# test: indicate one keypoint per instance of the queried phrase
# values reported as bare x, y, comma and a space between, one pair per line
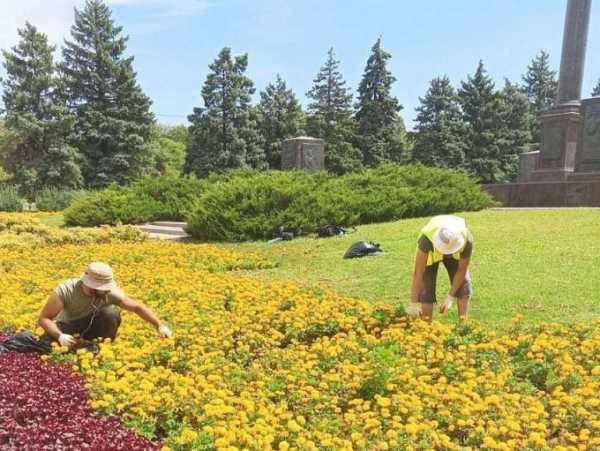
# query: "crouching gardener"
445, 239
86, 306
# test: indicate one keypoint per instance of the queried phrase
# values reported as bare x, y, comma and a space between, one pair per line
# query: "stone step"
150, 228
164, 236
181, 225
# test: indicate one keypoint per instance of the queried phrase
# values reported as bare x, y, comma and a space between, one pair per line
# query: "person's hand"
447, 304
66, 340
164, 331
413, 310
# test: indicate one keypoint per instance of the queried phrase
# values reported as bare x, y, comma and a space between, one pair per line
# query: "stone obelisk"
561, 125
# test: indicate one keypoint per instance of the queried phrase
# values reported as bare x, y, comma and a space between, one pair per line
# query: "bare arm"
417, 281
459, 278
140, 310
53, 307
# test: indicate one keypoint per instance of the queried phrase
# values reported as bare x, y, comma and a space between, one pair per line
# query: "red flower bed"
44, 407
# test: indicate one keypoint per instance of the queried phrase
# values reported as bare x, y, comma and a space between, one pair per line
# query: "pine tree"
223, 134
114, 121
40, 157
330, 117
596, 89
381, 131
280, 117
516, 121
439, 127
485, 137
540, 86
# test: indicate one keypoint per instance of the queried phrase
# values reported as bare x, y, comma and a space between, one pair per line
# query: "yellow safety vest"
432, 227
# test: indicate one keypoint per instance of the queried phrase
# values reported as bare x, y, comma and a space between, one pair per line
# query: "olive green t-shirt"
77, 305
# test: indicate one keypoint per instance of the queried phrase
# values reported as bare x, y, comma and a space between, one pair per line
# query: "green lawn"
55, 220
544, 264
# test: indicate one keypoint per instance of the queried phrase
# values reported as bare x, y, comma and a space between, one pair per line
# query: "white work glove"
447, 304
413, 310
164, 331
66, 340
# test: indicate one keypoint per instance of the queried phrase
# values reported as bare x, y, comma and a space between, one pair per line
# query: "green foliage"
280, 117
10, 200
330, 118
252, 205
439, 127
223, 134
540, 86
485, 137
380, 128
168, 149
517, 121
113, 118
55, 200
596, 89
39, 156
149, 199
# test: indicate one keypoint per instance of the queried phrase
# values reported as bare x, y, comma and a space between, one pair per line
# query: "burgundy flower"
44, 407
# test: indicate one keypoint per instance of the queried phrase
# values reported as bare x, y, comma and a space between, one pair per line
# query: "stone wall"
547, 194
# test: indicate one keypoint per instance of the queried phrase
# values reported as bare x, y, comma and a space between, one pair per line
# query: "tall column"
561, 124
577, 21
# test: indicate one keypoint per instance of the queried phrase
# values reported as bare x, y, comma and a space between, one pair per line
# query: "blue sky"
174, 41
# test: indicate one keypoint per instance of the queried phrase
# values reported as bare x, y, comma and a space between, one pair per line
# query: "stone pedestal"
527, 164
560, 132
588, 151
303, 153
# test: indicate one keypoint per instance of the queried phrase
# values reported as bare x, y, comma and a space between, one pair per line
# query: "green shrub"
56, 200
10, 199
251, 205
149, 199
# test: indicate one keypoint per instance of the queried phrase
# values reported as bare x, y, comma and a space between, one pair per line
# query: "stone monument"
303, 152
566, 170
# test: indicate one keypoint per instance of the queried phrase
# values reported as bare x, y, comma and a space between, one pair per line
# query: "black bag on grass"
363, 249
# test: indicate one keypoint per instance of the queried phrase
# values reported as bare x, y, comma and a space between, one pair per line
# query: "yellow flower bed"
274, 366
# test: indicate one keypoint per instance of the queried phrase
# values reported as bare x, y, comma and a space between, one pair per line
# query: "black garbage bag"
26, 342
364, 249
333, 230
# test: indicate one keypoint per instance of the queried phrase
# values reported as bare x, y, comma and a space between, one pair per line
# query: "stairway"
164, 230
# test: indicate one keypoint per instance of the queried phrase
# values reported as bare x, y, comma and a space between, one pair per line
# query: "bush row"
45, 200
150, 199
245, 205
252, 205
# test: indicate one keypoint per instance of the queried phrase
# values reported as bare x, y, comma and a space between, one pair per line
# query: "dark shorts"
103, 324
427, 296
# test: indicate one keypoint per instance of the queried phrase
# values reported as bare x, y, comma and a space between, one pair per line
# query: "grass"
544, 264
56, 220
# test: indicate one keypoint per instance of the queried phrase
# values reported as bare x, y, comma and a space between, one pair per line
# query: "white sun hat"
449, 239
100, 277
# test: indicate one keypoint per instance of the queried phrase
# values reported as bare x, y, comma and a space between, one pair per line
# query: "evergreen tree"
280, 117
516, 121
439, 127
223, 134
40, 157
380, 128
168, 149
330, 117
596, 89
540, 86
113, 115
485, 136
